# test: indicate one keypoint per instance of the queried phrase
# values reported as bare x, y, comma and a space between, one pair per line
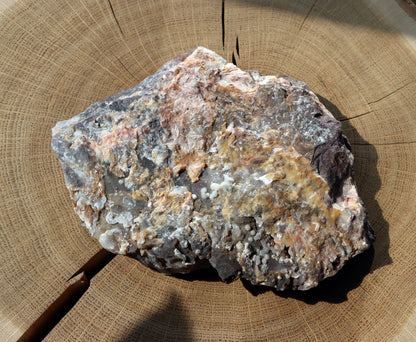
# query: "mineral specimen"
203, 161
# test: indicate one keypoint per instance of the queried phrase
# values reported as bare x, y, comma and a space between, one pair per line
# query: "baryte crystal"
204, 161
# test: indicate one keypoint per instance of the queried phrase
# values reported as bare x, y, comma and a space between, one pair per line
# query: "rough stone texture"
204, 161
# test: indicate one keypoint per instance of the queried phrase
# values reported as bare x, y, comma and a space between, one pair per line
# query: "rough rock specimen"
204, 161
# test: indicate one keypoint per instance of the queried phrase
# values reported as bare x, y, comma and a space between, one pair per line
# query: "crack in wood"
320, 79
67, 300
233, 59
95, 264
389, 94
125, 68
356, 116
115, 18
223, 23
384, 144
307, 15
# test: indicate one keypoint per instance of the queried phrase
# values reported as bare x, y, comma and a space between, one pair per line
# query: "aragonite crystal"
203, 161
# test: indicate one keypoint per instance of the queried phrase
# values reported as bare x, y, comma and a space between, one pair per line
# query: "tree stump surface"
57, 58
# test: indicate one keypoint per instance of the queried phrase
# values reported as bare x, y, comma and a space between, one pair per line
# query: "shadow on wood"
205, 273
332, 290
365, 172
168, 324
354, 13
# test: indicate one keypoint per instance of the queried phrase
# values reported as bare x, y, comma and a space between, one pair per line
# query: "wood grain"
56, 58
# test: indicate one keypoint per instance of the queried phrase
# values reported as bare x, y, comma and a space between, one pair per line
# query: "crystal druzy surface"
205, 162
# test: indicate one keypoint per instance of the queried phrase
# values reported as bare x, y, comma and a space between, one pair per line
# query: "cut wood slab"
56, 58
